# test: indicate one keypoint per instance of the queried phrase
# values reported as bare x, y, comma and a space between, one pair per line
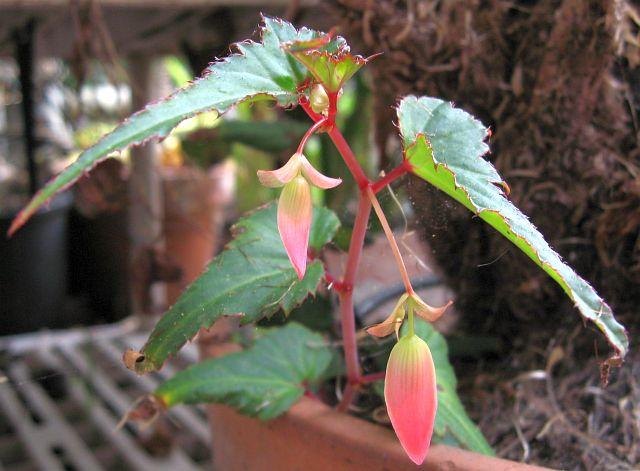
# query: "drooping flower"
410, 392
294, 206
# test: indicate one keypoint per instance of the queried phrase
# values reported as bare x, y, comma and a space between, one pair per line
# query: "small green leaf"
258, 71
252, 277
445, 146
263, 381
329, 60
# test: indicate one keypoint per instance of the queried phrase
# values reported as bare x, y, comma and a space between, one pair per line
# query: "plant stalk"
349, 158
392, 240
308, 134
367, 199
347, 315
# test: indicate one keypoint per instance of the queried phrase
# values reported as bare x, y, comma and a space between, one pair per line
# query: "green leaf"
445, 146
263, 381
452, 426
258, 71
252, 276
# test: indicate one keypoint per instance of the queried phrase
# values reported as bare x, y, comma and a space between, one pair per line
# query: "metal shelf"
63, 393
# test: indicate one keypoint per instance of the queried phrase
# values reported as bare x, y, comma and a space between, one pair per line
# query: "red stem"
345, 286
393, 175
347, 315
348, 396
349, 158
334, 283
304, 102
373, 377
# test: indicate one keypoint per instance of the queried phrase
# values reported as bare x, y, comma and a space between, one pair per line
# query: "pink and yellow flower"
294, 207
410, 389
410, 392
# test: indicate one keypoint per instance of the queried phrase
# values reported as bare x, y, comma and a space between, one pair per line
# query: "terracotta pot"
314, 437
195, 205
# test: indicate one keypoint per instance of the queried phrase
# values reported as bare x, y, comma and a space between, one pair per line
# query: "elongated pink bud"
294, 221
410, 392
294, 207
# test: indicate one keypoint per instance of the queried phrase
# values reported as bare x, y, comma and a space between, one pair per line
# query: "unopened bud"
319, 100
410, 393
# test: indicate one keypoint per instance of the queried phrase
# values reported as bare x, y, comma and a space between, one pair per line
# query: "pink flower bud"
410, 392
294, 222
294, 206
318, 99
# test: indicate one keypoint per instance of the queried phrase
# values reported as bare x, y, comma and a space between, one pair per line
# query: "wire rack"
62, 395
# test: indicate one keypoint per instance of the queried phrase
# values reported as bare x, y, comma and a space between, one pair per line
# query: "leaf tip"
19, 221
134, 360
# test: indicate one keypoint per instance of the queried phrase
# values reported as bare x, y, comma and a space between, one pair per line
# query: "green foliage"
445, 146
252, 276
452, 426
314, 313
263, 381
260, 71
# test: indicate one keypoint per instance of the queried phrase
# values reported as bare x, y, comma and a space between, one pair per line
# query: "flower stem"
372, 377
367, 199
392, 240
309, 133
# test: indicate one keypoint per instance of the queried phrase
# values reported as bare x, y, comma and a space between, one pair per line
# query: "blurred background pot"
34, 278
196, 204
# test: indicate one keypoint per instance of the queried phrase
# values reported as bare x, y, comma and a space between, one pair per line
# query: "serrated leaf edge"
620, 350
41, 198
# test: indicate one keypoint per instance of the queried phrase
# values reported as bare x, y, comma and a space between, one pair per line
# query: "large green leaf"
264, 380
258, 71
252, 277
452, 426
445, 146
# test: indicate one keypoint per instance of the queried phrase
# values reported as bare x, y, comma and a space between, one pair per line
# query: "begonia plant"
275, 259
